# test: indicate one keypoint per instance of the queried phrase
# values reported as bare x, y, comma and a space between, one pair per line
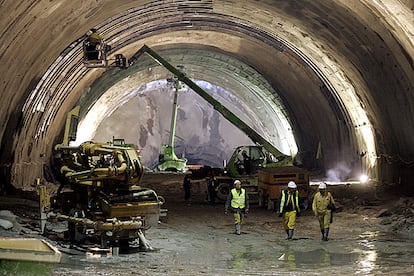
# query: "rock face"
6, 224
202, 134
400, 216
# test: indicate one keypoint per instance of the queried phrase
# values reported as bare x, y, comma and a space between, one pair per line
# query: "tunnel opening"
247, 86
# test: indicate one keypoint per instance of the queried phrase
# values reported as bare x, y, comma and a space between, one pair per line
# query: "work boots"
238, 229
325, 234
290, 234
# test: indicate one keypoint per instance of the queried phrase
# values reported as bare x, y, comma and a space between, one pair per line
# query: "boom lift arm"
250, 132
168, 160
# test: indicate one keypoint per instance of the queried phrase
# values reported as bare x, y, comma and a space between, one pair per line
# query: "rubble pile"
399, 217
19, 222
8, 224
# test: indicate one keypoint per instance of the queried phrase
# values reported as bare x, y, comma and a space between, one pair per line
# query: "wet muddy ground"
203, 243
198, 239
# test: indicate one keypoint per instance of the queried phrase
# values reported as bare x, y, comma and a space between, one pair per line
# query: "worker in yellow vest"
238, 200
289, 208
323, 205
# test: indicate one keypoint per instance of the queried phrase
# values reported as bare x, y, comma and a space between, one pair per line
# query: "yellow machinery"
99, 195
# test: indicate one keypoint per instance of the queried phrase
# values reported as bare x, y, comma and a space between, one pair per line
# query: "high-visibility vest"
238, 200
284, 201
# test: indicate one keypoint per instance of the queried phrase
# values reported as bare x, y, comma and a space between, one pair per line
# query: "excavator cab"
247, 159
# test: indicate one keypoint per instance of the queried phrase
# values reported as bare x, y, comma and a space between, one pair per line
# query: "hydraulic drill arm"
250, 132
78, 163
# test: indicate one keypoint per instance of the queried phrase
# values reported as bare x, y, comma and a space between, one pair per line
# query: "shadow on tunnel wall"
7, 152
396, 178
7, 147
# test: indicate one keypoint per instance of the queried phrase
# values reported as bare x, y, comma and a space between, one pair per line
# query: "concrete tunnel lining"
69, 99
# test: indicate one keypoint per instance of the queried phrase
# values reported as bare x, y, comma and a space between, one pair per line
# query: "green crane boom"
250, 132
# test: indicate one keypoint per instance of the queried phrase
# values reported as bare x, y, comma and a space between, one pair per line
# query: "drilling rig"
99, 194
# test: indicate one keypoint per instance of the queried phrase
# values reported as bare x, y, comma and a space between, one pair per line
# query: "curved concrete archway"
342, 69
264, 111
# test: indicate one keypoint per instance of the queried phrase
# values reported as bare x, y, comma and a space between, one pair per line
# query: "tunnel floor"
368, 236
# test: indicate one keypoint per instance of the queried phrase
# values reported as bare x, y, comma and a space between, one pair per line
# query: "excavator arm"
230, 116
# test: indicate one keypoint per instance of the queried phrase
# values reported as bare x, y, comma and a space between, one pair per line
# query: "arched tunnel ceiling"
343, 69
264, 111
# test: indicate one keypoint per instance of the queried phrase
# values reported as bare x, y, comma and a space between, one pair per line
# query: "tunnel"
330, 82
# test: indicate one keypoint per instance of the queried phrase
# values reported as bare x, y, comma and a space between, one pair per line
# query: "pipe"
113, 225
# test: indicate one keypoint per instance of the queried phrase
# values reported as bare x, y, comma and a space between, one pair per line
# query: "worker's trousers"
324, 219
289, 220
238, 215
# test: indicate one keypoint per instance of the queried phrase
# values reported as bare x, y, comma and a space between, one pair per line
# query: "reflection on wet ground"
223, 253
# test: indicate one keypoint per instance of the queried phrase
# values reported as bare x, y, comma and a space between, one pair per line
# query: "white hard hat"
322, 186
237, 182
292, 185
